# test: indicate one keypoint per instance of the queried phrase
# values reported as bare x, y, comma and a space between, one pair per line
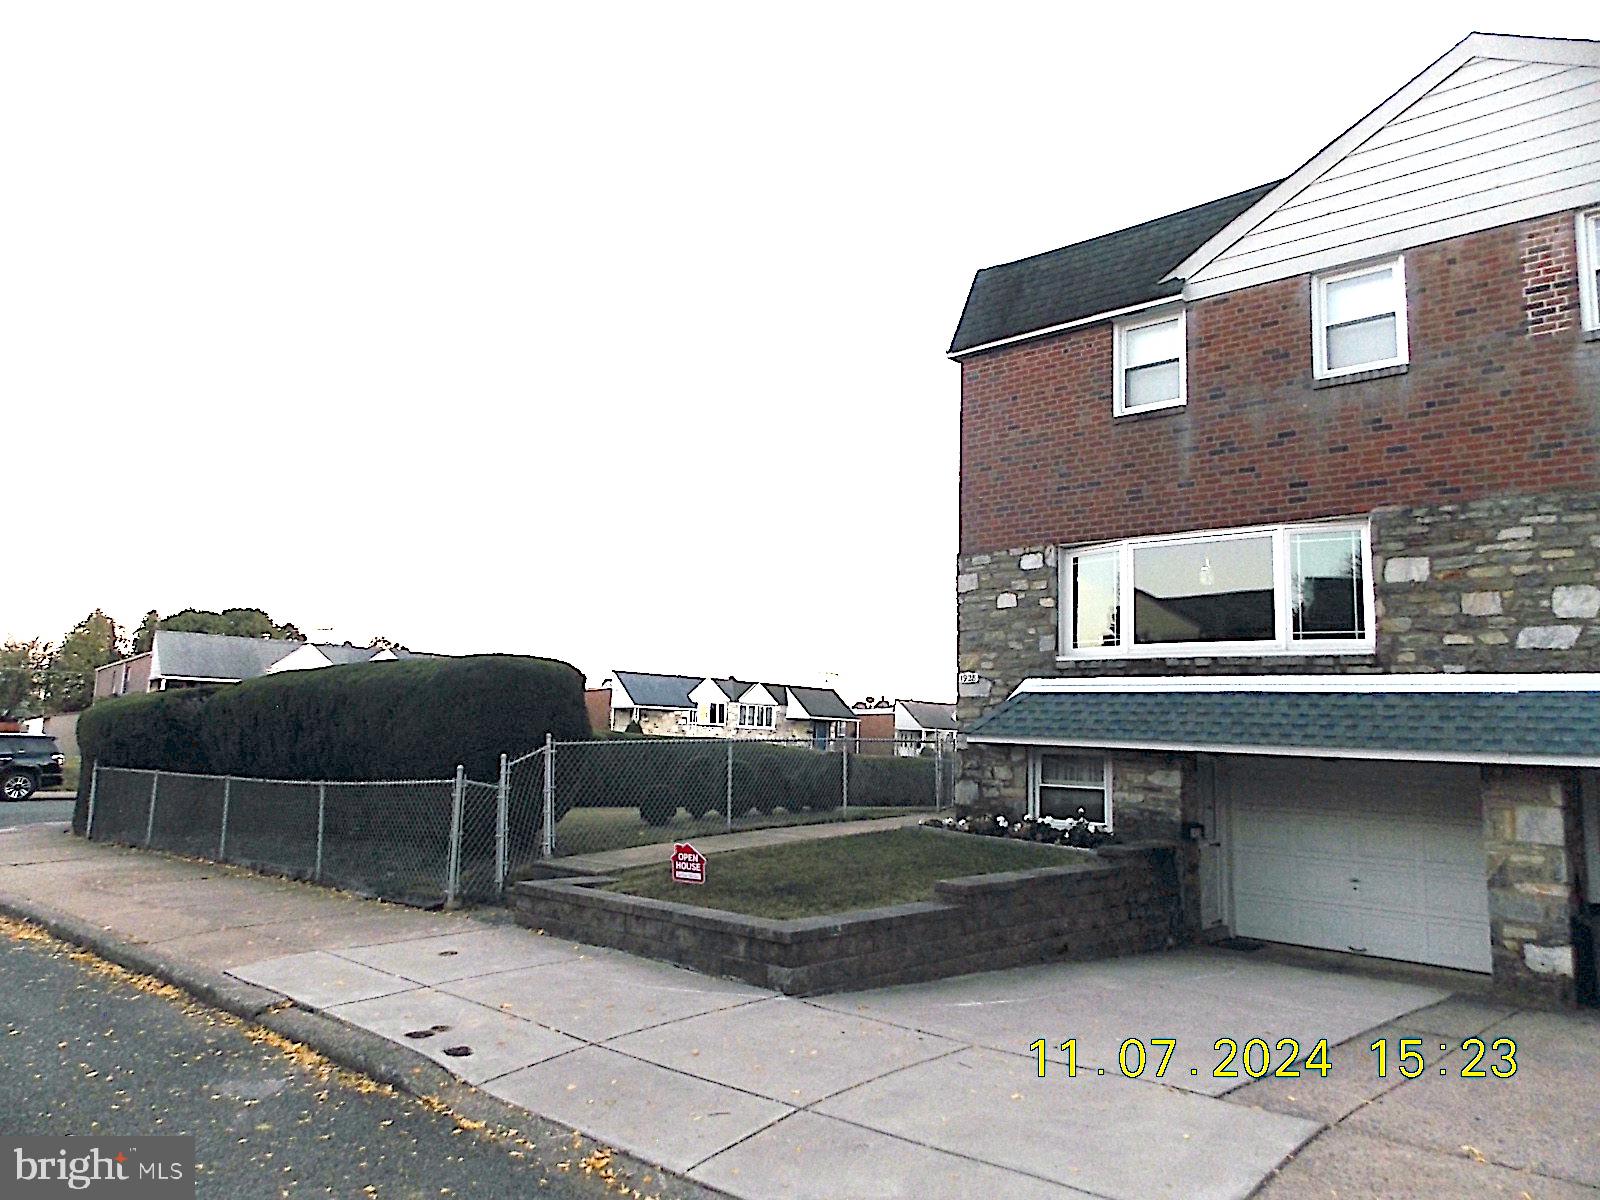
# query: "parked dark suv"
28, 762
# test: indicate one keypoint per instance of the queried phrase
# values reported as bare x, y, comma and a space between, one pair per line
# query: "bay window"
1281, 589
1358, 319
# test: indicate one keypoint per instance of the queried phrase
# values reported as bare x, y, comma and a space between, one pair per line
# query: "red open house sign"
688, 864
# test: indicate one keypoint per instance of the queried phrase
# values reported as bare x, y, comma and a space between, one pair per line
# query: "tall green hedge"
411, 719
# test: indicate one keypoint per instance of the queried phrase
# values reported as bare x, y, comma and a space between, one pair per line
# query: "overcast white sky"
608, 332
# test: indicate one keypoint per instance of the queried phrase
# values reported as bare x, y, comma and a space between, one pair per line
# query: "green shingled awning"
1535, 719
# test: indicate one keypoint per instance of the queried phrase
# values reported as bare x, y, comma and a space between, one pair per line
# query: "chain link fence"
439, 841
614, 793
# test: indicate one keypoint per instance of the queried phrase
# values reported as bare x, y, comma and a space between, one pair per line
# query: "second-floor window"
1589, 268
1300, 589
1358, 319
759, 716
1151, 363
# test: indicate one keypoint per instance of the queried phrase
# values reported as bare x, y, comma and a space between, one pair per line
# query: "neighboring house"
597, 701
921, 725
61, 726
691, 706
177, 659
1280, 530
875, 721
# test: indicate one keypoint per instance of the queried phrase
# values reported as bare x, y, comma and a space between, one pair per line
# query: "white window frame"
1282, 643
1588, 264
1120, 330
1319, 333
1035, 773
712, 715
756, 716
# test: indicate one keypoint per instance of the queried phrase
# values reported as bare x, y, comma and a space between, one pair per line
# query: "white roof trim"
1094, 319
1474, 45
1344, 752
1553, 681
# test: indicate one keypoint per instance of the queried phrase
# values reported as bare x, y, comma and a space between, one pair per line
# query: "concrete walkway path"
607, 861
928, 1091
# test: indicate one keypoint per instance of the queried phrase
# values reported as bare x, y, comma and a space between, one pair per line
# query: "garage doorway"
1370, 858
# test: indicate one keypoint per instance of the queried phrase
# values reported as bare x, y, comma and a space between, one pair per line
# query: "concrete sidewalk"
927, 1091
606, 861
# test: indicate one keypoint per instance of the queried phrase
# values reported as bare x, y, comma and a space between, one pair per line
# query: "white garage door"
1383, 859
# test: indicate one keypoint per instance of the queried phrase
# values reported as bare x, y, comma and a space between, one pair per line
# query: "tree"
145, 638
22, 668
385, 643
69, 681
235, 622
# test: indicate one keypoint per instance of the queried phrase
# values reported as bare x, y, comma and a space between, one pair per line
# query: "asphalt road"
34, 812
84, 1050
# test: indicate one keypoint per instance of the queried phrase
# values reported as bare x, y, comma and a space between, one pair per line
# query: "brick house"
1280, 531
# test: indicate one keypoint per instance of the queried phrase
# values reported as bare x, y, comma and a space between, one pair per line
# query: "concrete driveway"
927, 1091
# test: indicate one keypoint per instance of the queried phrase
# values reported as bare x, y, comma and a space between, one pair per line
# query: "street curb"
345, 1045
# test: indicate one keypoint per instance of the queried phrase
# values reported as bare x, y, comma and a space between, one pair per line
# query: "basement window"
1064, 786
1358, 319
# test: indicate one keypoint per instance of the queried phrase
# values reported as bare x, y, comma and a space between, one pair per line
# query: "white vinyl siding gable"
1589, 269
1496, 140
1151, 363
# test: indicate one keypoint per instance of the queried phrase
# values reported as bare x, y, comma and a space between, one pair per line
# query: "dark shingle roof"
733, 688
658, 691
1558, 725
182, 655
1106, 273
930, 715
823, 703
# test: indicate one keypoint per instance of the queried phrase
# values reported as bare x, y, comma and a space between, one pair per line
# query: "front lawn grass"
868, 870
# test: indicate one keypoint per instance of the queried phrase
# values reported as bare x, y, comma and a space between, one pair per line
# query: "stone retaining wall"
1117, 900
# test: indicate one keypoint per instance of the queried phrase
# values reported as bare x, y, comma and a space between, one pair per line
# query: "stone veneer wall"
1535, 853
1505, 584
1121, 900
1510, 584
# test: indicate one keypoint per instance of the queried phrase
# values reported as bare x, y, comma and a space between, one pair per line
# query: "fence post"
547, 847
502, 798
150, 820
938, 766
88, 824
844, 776
222, 842
452, 870
322, 813
730, 785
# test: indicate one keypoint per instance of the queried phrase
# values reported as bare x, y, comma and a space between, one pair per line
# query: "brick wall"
1122, 900
597, 701
1502, 395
